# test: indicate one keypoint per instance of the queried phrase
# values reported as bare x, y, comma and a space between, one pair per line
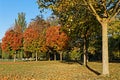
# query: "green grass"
55, 70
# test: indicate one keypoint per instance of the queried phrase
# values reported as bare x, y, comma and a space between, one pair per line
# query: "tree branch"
111, 18
116, 10
93, 10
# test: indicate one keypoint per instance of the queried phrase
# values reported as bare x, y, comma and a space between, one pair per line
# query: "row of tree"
78, 14
38, 37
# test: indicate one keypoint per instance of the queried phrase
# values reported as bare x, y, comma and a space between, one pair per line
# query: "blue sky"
9, 10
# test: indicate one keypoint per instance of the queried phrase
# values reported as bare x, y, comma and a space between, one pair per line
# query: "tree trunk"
21, 54
14, 56
105, 49
48, 56
85, 52
36, 57
55, 56
60, 56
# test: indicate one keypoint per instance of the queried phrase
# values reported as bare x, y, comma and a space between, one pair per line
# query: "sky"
9, 10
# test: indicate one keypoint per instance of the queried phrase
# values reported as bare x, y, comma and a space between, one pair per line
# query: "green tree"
78, 22
21, 25
104, 11
20, 21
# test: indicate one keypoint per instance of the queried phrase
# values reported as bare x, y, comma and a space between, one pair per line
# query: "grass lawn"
55, 70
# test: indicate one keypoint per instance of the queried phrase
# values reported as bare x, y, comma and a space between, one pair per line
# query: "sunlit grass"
55, 70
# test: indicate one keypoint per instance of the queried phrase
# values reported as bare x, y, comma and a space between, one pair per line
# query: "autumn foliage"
12, 41
31, 39
37, 38
56, 39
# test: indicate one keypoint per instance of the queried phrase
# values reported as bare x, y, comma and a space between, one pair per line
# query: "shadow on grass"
89, 68
92, 70
81, 63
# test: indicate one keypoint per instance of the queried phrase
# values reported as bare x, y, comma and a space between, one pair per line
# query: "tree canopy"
103, 10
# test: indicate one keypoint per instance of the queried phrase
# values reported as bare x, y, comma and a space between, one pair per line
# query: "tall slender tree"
20, 21
104, 11
21, 25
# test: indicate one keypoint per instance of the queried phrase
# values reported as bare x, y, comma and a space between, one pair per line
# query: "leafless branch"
116, 10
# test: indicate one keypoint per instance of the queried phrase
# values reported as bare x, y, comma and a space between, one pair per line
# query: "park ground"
56, 70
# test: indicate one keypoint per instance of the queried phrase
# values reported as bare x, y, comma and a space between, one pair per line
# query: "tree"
31, 39
103, 10
56, 40
77, 22
12, 42
21, 21
21, 25
34, 35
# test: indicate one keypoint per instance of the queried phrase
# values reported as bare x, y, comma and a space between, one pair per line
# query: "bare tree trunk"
55, 56
85, 52
105, 49
21, 54
60, 56
36, 57
48, 56
14, 56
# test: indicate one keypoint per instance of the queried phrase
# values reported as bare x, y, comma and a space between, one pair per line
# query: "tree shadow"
81, 63
92, 70
89, 68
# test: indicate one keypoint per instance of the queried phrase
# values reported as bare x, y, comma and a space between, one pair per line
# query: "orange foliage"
34, 36
31, 38
11, 41
56, 39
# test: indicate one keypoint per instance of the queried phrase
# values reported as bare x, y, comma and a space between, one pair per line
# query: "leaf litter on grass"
54, 70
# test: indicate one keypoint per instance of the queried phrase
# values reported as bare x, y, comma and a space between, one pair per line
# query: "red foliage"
31, 38
56, 39
11, 41
34, 36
